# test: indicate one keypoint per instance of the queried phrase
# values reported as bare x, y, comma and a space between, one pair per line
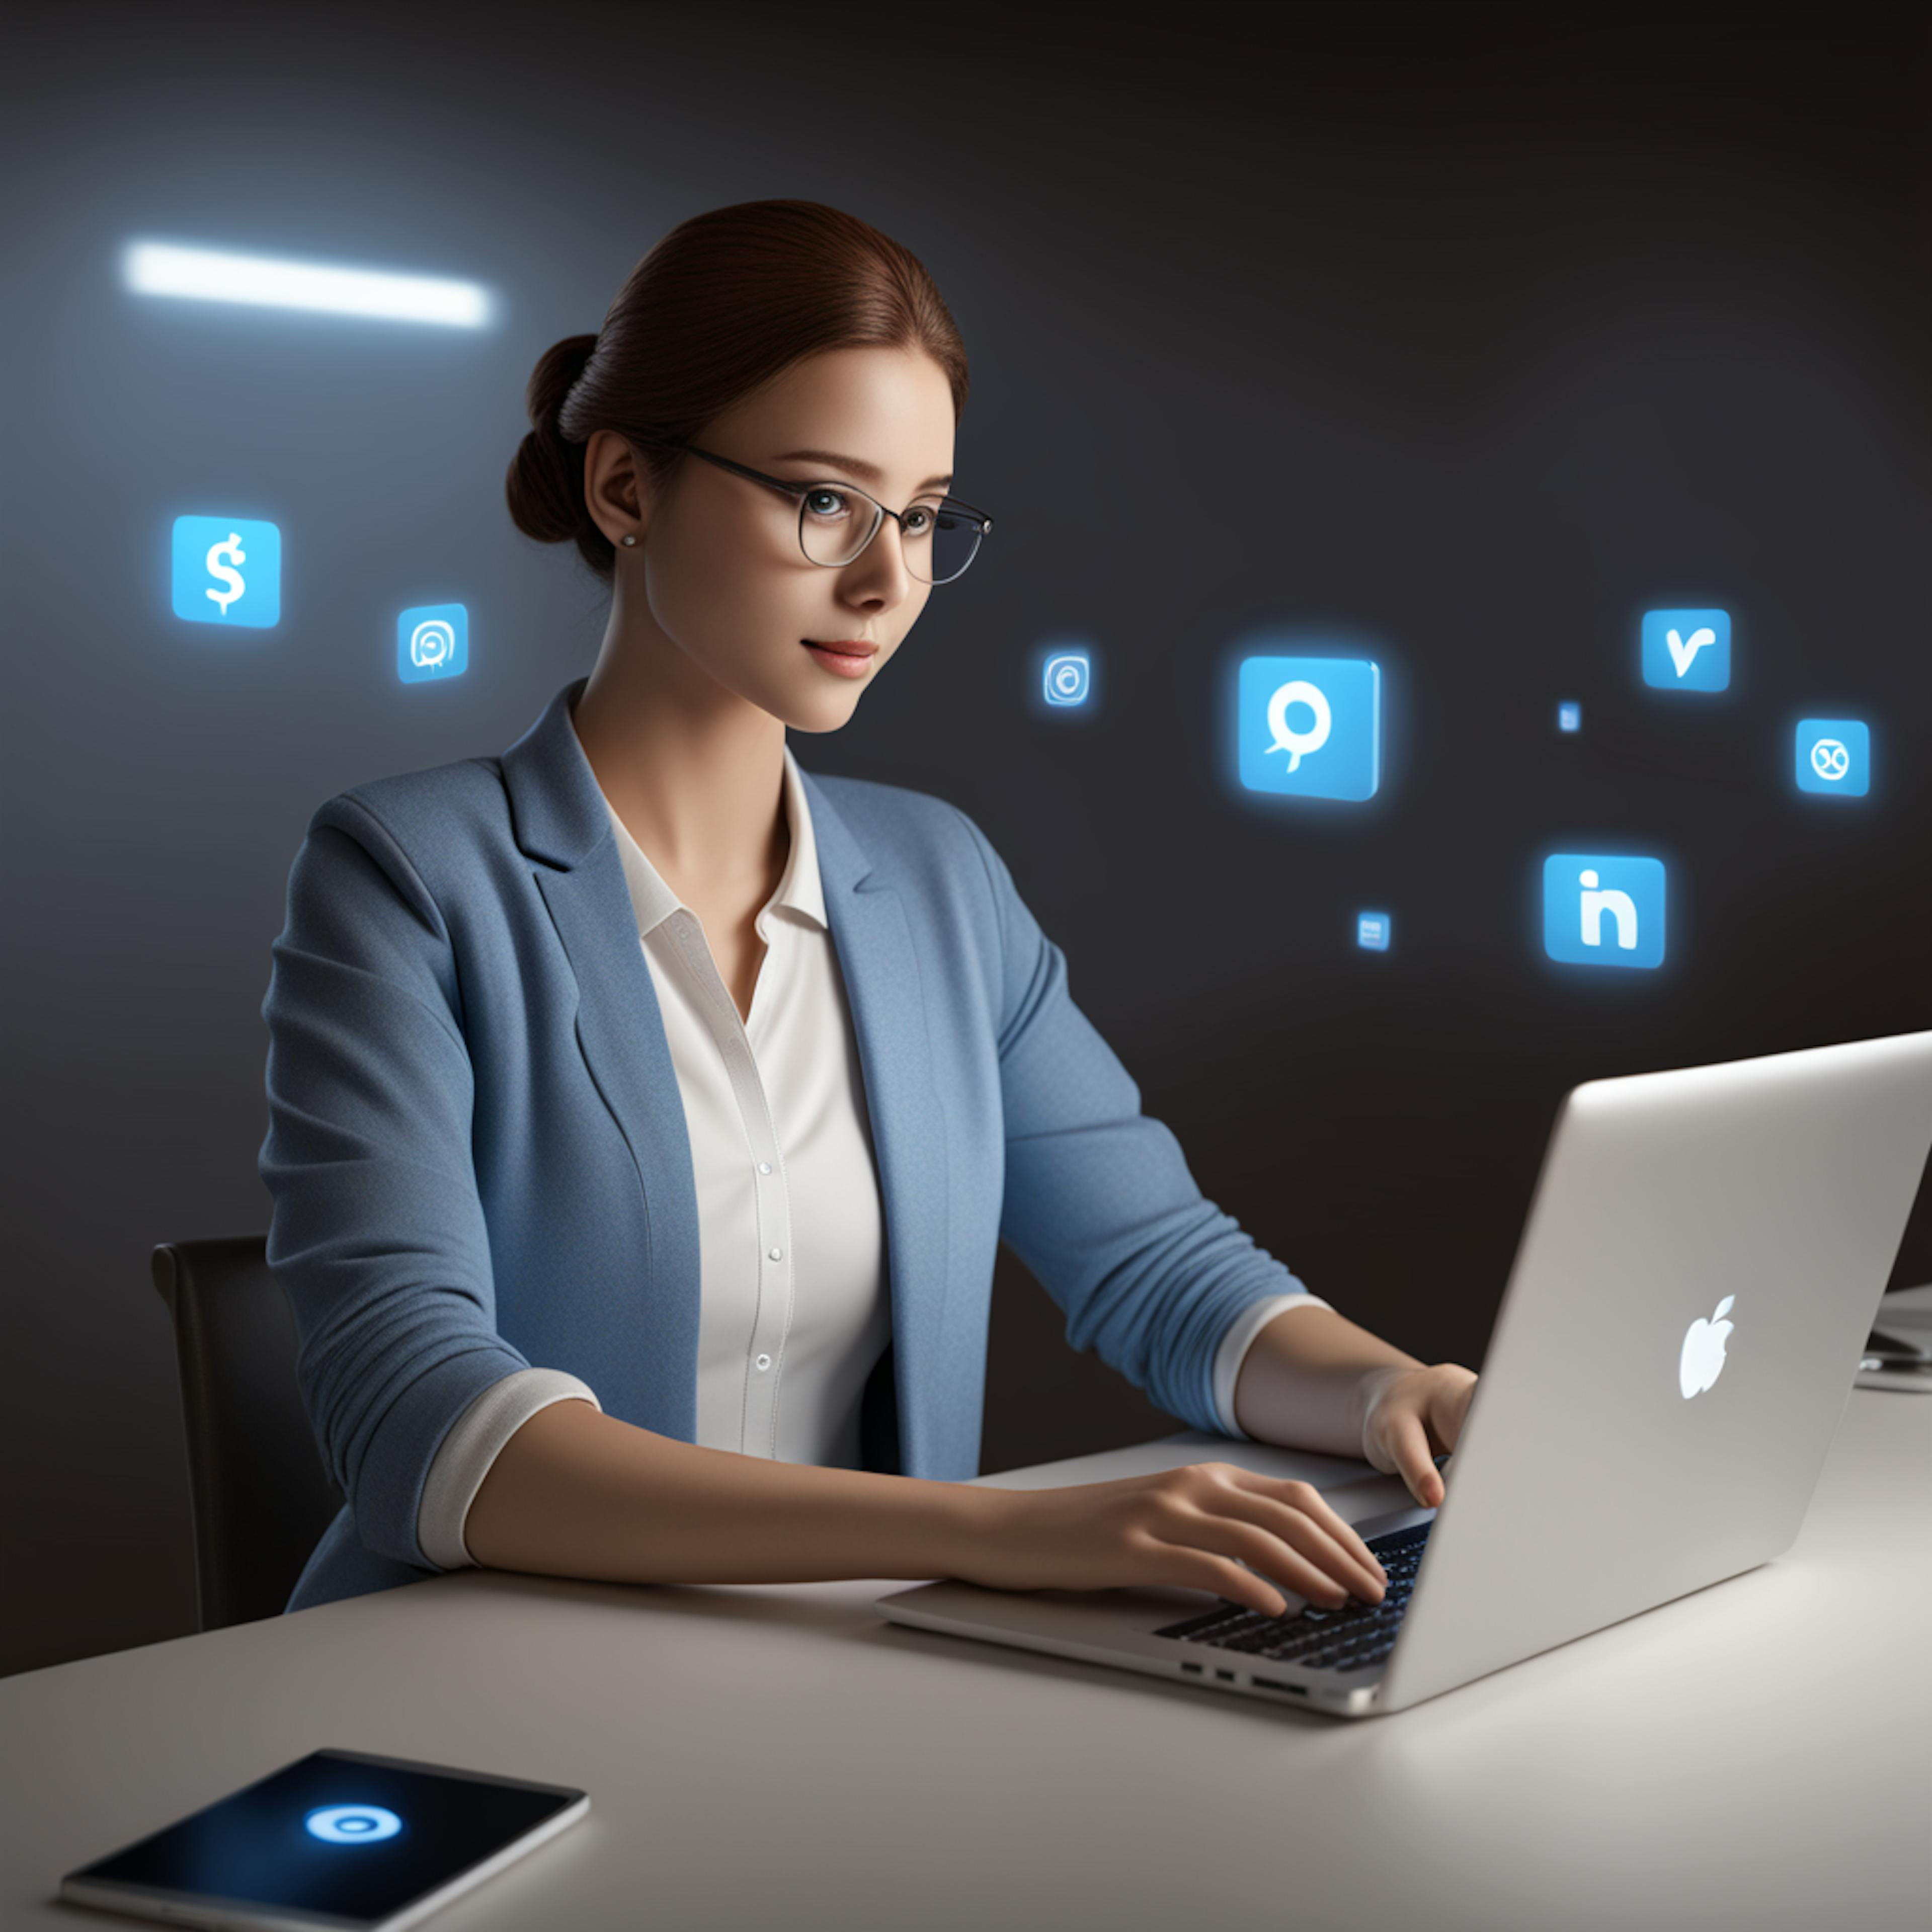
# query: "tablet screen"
337, 1834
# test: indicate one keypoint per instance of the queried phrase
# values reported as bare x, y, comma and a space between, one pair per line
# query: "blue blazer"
477, 1152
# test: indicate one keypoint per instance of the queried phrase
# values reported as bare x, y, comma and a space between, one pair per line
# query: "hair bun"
544, 484
554, 377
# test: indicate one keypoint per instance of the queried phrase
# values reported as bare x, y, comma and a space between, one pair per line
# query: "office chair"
262, 1496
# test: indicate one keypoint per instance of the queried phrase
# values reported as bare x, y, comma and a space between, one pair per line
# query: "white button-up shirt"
792, 1314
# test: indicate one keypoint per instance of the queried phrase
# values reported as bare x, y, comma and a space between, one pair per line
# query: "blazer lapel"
562, 822
880, 963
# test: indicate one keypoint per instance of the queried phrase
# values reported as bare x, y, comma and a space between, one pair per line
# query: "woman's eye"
826, 503
918, 521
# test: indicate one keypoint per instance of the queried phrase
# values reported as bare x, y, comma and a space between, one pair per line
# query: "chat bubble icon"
1298, 745
1288, 708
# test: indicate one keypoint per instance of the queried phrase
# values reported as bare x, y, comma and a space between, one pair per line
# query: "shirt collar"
799, 889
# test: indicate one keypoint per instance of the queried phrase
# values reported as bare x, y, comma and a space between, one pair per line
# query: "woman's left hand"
1411, 1416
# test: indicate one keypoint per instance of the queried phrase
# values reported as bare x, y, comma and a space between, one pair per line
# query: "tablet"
338, 1838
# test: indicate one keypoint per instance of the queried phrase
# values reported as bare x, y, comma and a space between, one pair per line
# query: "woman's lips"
850, 657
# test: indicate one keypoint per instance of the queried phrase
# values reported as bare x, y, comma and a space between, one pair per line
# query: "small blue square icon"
1834, 756
227, 570
1310, 727
432, 641
1569, 717
1372, 931
1686, 650
1602, 910
1068, 678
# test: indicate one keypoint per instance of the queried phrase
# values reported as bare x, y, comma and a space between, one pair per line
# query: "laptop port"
1275, 1684
1225, 1676
1192, 1669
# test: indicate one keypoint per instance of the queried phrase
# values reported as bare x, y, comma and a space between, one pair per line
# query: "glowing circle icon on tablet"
352, 1824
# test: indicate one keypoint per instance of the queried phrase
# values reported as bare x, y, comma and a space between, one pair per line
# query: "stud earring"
628, 541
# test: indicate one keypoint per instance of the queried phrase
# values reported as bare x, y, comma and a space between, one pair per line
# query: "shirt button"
764, 1362
778, 1254
764, 1167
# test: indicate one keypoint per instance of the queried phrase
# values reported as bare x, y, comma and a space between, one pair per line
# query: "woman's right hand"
1198, 1525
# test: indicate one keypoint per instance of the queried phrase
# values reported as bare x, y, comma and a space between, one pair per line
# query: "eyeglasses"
939, 536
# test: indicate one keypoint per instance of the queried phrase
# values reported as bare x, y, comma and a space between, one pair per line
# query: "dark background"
1461, 335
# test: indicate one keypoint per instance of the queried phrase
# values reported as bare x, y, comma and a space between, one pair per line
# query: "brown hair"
721, 304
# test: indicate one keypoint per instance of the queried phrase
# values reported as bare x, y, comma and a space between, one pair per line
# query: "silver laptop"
1702, 1260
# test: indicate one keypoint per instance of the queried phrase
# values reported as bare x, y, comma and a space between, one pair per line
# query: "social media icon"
1686, 650
1372, 931
1834, 756
432, 641
1310, 727
1067, 678
352, 1824
1569, 717
227, 570
1602, 910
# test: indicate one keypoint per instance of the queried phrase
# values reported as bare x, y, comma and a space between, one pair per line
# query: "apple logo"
1703, 1360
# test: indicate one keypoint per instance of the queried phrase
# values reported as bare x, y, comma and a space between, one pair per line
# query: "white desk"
782, 1757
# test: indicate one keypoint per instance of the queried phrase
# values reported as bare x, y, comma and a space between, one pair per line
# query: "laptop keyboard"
1353, 1637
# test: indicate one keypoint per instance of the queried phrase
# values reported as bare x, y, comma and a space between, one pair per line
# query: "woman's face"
718, 562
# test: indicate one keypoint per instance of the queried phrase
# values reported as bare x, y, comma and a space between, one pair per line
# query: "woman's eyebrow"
872, 472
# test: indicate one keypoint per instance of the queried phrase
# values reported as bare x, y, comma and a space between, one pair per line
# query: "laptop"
1698, 1274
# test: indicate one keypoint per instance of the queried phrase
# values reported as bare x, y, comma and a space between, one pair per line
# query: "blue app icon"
227, 570
1834, 756
432, 641
1310, 727
1686, 650
1372, 931
1602, 910
1569, 717
1068, 676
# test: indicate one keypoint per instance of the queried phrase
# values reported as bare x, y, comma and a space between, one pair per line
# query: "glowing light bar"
207, 275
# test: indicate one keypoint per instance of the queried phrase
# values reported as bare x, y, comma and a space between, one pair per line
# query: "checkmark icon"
1681, 652
1686, 650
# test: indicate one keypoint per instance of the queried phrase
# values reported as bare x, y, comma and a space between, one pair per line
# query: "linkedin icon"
1601, 909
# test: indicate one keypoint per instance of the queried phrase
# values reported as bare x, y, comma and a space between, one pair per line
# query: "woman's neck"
695, 771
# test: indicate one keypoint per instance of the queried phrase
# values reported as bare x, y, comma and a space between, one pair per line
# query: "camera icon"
1068, 678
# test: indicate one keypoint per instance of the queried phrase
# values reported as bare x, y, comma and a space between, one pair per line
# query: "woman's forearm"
1303, 1381
575, 1492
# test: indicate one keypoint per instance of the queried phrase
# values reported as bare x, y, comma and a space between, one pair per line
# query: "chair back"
262, 1496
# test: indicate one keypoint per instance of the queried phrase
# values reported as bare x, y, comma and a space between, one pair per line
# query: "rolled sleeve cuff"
473, 1444
1229, 1355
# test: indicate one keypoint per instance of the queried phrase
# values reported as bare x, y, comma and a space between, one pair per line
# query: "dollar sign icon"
222, 558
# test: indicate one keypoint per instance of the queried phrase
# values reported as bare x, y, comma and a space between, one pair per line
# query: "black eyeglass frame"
981, 522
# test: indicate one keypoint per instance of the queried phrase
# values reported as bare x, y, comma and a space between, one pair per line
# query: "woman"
646, 1112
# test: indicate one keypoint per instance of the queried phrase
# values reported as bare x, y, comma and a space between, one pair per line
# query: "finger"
1199, 1570
1329, 1543
1408, 1442
1454, 1413
1308, 1502
1260, 1550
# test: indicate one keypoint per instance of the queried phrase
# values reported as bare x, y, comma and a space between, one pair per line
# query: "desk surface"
785, 1756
